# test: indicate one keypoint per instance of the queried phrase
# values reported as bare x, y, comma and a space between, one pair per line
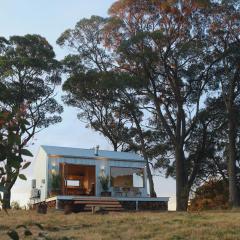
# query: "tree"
95, 101
11, 147
87, 88
154, 63
162, 43
29, 73
96, 87
138, 138
224, 41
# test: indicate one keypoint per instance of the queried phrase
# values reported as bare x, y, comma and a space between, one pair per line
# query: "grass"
133, 225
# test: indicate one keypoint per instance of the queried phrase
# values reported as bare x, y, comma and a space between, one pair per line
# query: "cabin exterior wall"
40, 173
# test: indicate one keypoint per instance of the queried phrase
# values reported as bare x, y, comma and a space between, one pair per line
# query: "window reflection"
127, 177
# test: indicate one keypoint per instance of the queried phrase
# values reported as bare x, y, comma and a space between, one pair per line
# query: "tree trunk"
150, 179
145, 155
8, 186
182, 190
115, 147
232, 156
7, 199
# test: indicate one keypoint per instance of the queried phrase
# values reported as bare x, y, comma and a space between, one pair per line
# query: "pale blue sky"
50, 18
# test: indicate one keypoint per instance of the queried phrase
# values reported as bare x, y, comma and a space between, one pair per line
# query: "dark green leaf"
26, 152
15, 162
14, 139
27, 233
13, 235
22, 176
39, 226
26, 165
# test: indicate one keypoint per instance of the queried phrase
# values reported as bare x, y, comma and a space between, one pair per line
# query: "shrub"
104, 180
211, 195
15, 205
56, 182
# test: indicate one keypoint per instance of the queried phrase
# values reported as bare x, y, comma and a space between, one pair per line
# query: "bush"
104, 180
56, 182
15, 205
210, 196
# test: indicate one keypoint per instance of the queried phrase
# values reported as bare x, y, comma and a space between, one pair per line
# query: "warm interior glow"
77, 179
127, 177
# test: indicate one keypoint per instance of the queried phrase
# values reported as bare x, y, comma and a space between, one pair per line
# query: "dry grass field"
134, 225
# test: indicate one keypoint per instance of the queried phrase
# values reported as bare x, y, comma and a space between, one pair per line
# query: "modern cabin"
92, 176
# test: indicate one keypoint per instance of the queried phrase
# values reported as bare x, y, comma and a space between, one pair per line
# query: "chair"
126, 190
136, 192
117, 191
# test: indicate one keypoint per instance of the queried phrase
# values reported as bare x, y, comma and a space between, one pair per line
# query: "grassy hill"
140, 225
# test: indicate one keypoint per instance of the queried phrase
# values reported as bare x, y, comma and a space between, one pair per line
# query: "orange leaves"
200, 3
6, 114
211, 195
168, 7
214, 26
11, 119
165, 6
3, 117
120, 5
187, 10
1, 123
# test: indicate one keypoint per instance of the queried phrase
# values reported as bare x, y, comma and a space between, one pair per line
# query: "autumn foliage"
211, 195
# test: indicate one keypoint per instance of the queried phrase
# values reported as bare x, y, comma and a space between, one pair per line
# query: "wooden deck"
108, 203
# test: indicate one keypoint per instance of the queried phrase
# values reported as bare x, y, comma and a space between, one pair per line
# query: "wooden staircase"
107, 203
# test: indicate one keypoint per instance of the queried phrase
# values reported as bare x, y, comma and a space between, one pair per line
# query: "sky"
50, 18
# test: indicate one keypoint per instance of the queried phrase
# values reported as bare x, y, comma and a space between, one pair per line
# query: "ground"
134, 225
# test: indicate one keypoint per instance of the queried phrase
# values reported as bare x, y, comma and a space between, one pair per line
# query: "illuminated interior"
77, 179
127, 177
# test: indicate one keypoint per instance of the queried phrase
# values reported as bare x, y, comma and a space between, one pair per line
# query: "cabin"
89, 177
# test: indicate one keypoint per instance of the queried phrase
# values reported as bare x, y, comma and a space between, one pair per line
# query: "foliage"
12, 151
211, 195
56, 182
29, 74
224, 36
104, 181
89, 85
27, 231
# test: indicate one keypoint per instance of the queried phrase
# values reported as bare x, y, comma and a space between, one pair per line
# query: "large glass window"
127, 177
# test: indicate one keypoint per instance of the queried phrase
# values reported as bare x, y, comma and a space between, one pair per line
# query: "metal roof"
90, 153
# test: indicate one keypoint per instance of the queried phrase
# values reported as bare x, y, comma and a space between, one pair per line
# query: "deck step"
107, 203
105, 208
96, 202
96, 199
104, 205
